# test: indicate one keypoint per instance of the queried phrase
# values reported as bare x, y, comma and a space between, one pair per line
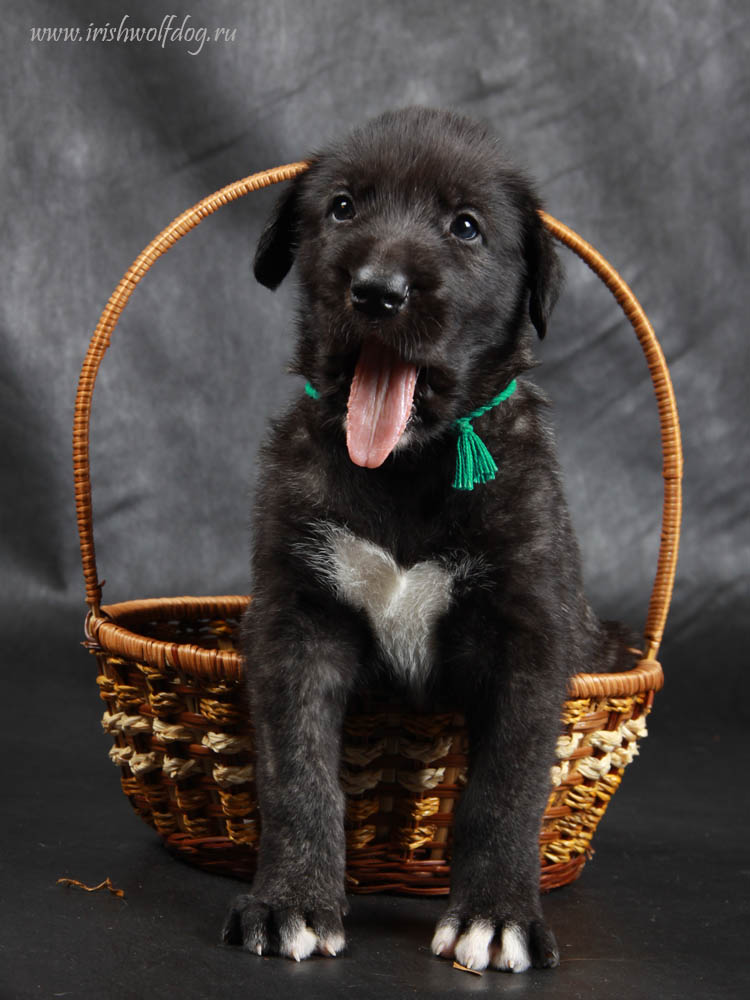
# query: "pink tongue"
380, 402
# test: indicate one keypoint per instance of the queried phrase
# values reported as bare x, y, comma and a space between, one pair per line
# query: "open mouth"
381, 399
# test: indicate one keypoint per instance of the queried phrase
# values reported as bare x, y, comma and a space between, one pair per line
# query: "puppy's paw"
509, 945
294, 933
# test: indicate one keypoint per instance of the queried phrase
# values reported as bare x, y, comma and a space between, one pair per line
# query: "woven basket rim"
108, 632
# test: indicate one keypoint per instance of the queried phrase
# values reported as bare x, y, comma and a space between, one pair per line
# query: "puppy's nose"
378, 293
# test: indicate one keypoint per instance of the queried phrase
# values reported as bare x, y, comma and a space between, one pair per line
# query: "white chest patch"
403, 606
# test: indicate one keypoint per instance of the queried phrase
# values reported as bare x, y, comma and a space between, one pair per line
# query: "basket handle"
100, 341
671, 441
670, 431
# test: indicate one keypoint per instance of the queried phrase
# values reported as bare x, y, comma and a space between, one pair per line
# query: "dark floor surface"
661, 911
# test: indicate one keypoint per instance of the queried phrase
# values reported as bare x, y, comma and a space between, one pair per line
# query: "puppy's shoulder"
293, 459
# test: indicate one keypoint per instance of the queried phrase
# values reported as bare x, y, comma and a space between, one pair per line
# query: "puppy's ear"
543, 271
278, 242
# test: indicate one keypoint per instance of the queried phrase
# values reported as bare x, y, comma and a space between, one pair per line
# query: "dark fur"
515, 632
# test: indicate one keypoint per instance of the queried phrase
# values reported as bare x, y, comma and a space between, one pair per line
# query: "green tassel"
474, 464
311, 391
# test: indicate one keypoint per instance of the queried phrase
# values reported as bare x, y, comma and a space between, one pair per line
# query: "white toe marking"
514, 952
332, 945
444, 939
473, 948
298, 942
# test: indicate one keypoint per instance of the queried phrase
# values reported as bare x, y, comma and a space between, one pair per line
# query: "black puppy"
411, 520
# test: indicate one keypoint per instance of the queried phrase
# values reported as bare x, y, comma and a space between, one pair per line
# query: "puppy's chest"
403, 604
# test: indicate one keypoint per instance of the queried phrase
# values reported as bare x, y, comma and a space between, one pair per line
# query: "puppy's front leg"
298, 686
494, 915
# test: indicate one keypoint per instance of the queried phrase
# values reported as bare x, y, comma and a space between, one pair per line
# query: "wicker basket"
170, 677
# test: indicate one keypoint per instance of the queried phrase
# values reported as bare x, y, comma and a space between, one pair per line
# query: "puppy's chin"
405, 441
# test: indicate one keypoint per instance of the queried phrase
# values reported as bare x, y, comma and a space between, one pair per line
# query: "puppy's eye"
465, 227
343, 208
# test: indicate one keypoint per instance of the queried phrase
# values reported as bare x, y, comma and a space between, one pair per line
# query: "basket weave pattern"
170, 676
184, 746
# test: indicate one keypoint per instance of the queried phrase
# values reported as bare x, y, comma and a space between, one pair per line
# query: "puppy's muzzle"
377, 292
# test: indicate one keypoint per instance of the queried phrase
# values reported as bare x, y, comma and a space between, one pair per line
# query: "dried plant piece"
106, 884
464, 968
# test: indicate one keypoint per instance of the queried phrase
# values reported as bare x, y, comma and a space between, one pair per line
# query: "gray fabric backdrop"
632, 116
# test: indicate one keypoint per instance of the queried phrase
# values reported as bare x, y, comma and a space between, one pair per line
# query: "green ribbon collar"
474, 463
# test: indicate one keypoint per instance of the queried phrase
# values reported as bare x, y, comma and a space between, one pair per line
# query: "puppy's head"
423, 264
